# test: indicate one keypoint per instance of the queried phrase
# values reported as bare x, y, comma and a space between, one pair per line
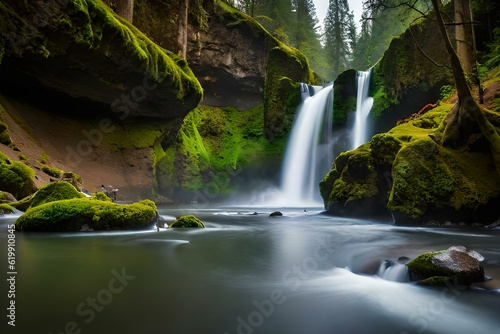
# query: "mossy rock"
16, 177
53, 191
414, 178
6, 197
101, 196
454, 265
5, 208
187, 221
72, 214
352, 187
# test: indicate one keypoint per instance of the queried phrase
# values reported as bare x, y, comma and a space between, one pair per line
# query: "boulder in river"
187, 221
456, 265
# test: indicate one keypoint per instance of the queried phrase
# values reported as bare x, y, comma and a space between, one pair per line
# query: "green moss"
5, 208
100, 196
53, 191
52, 171
16, 177
423, 265
134, 135
44, 158
70, 215
212, 144
187, 221
352, 179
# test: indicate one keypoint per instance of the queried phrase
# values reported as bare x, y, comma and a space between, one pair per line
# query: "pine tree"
339, 37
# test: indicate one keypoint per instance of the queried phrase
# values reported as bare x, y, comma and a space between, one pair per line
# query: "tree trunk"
125, 8
459, 123
182, 27
466, 43
464, 34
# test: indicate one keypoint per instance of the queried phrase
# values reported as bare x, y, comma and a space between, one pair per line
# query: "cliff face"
78, 85
92, 94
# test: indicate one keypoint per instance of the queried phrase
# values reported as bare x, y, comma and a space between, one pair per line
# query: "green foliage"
446, 92
187, 221
70, 215
492, 58
52, 171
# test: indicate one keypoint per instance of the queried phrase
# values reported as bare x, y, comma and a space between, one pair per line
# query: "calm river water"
303, 273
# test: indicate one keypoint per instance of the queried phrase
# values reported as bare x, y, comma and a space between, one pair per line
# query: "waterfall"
308, 154
364, 104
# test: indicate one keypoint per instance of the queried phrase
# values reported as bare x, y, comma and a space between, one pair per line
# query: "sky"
322, 7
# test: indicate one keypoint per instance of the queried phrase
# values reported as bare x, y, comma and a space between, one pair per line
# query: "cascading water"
364, 104
308, 153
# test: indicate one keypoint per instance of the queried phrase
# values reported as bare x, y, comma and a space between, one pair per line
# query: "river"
303, 273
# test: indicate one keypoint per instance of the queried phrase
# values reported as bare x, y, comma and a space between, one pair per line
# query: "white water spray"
364, 104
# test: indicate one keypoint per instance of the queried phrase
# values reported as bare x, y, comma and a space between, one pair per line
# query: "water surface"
304, 273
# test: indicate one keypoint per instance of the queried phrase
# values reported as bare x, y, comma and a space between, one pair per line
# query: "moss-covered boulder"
5, 208
187, 221
72, 214
53, 191
353, 186
16, 177
406, 173
6, 197
82, 49
456, 265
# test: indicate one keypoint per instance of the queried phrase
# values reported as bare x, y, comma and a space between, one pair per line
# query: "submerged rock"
187, 221
455, 265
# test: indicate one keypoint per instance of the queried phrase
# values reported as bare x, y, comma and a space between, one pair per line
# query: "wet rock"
456, 265
86, 228
276, 214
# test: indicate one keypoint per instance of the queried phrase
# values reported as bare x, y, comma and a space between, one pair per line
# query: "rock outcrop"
406, 173
83, 50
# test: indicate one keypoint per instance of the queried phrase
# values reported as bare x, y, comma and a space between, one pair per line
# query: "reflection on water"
247, 273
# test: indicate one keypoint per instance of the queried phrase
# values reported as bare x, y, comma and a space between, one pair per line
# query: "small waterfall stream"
308, 153
364, 104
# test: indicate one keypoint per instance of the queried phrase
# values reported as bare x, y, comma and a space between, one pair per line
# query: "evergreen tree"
339, 37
